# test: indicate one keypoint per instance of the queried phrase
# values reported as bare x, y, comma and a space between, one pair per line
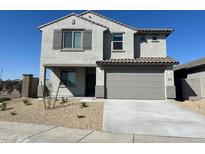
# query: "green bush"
26, 102
3, 99
63, 100
13, 113
83, 104
80, 116
3, 106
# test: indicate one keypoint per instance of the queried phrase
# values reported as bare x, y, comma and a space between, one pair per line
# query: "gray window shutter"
57, 39
87, 39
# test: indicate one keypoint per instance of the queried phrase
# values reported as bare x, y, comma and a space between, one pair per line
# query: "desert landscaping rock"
196, 106
64, 115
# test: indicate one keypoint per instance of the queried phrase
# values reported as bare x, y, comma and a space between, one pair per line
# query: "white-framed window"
72, 39
117, 41
68, 78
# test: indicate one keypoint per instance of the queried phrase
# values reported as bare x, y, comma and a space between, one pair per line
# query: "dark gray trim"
57, 39
171, 93
191, 64
69, 65
87, 39
99, 91
72, 50
139, 67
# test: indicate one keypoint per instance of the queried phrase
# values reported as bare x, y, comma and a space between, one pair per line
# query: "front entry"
91, 79
90, 82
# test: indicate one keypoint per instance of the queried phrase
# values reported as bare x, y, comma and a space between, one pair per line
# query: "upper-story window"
117, 41
72, 39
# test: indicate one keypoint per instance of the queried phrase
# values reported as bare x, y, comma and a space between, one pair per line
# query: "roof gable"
69, 15
138, 31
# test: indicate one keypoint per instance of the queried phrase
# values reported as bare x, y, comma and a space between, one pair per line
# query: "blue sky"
20, 41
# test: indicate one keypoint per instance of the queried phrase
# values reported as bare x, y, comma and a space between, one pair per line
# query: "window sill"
118, 50
72, 50
69, 86
155, 41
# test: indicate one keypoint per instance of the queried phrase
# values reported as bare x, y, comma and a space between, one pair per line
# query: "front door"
90, 88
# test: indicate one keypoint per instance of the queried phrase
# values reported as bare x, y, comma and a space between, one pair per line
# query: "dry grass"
65, 115
197, 106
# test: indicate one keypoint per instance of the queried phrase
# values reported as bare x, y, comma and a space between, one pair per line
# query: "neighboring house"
190, 80
93, 55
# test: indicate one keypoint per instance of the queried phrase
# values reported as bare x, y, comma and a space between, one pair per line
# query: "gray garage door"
135, 83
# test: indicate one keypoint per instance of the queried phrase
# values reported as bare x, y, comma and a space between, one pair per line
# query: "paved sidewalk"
11, 132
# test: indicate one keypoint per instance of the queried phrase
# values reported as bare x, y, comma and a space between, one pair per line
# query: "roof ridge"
113, 20
92, 21
126, 25
69, 15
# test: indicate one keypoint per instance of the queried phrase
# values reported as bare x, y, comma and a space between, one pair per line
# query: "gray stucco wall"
50, 56
132, 45
74, 57
150, 48
101, 48
100, 80
201, 77
170, 89
190, 89
128, 37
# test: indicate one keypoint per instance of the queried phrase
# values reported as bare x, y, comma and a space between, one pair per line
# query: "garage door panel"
135, 84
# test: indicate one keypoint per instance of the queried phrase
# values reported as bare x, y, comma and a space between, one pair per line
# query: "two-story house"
92, 55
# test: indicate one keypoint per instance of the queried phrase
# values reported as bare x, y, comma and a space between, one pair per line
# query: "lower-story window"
68, 78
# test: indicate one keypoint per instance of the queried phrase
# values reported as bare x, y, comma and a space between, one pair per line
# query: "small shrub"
3, 106
63, 100
4, 99
26, 102
13, 113
80, 116
83, 104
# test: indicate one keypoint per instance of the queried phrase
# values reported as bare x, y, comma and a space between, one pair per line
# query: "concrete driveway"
152, 117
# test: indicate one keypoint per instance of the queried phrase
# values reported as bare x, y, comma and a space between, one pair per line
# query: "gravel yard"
197, 106
69, 114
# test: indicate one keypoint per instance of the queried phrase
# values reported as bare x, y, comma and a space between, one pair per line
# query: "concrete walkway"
33, 133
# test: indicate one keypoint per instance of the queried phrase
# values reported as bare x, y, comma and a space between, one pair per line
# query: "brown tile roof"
140, 60
155, 31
